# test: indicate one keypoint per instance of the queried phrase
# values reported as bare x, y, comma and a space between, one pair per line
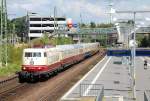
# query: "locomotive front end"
34, 62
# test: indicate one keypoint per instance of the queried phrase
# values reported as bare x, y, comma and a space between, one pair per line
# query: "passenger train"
39, 63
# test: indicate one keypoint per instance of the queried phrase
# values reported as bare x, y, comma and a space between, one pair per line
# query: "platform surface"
115, 77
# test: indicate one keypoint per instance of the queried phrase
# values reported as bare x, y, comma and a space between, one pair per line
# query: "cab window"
36, 54
28, 54
45, 55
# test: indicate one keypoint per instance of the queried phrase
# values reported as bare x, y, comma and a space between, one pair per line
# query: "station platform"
109, 80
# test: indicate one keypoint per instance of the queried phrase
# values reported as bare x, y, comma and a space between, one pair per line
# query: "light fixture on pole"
133, 48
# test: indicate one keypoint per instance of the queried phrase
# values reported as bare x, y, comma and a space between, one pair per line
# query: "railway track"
4, 84
7, 80
11, 91
8, 85
53, 95
23, 92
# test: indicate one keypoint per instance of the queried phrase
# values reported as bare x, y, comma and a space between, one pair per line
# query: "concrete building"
38, 25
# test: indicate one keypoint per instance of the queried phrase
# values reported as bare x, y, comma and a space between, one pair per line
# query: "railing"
147, 96
100, 95
92, 90
109, 30
97, 30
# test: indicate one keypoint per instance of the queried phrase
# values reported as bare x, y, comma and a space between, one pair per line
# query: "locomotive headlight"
39, 68
24, 68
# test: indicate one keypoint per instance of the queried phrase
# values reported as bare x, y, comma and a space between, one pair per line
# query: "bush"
15, 54
62, 41
14, 60
51, 41
9, 70
144, 42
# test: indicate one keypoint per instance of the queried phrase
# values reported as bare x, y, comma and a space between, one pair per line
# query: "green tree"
131, 22
45, 39
82, 25
149, 40
87, 39
62, 40
92, 25
144, 42
102, 25
20, 25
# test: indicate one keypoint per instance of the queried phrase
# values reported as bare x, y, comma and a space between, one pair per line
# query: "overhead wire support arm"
129, 11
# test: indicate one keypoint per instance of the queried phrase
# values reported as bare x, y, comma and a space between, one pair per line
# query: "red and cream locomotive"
39, 63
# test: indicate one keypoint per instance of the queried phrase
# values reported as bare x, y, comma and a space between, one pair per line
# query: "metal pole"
133, 60
110, 5
106, 39
78, 38
80, 19
1, 36
28, 21
6, 35
133, 50
13, 35
54, 21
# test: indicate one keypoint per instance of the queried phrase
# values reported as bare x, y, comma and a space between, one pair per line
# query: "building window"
35, 25
48, 25
35, 19
48, 31
51, 19
35, 31
46, 19
60, 19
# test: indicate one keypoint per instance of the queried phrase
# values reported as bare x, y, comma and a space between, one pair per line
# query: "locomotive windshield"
32, 54
28, 54
37, 54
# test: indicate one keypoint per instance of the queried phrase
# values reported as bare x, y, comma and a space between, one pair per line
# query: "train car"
42, 63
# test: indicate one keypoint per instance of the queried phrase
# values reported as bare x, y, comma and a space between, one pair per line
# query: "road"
115, 77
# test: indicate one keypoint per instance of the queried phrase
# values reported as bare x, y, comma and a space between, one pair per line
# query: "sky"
79, 10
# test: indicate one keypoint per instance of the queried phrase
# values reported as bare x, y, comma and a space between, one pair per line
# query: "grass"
9, 70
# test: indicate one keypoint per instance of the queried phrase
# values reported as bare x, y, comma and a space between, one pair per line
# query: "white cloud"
146, 7
93, 10
82, 6
28, 4
90, 11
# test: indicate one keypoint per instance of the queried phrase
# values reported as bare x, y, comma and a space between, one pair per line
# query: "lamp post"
133, 49
13, 31
28, 25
